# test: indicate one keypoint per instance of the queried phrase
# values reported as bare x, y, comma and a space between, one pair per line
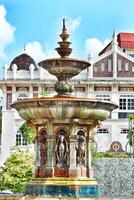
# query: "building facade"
110, 77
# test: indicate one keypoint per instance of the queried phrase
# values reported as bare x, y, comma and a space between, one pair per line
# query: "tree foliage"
28, 132
16, 171
131, 132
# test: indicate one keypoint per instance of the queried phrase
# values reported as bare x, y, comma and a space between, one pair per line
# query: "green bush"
16, 172
109, 155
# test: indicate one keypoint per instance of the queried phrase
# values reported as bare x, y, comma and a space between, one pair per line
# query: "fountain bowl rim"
65, 98
64, 59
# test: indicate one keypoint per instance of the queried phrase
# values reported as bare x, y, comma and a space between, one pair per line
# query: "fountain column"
72, 167
49, 170
89, 155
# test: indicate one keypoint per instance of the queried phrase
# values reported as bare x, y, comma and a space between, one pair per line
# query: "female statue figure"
43, 148
80, 150
61, 150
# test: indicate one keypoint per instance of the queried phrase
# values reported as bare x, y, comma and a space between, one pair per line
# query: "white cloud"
34, 49
72, 24
38, 52
94, 45
6, 32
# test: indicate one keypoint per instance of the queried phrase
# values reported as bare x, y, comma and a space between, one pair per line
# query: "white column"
114, 47
31, 71
13, 93
4, 98
90, 69
41, 72
30, 91
39, 91
115, 99
91, 93
14, 71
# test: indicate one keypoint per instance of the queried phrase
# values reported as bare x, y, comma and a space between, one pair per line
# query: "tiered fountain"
64, 125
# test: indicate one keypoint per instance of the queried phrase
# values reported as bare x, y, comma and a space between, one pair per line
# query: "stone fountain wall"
115, 176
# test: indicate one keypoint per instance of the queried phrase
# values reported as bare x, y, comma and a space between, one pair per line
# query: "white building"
110, 77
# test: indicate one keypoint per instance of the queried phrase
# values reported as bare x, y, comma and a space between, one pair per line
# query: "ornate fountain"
64, 126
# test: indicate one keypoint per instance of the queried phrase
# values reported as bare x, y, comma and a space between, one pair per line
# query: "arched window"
22, 93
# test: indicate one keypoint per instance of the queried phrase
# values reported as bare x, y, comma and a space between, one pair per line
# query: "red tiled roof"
125, 41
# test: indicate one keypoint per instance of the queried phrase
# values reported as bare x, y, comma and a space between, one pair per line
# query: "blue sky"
37, 23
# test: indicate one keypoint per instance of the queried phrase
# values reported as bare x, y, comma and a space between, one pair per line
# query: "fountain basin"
64, 67
63, 109
63, 187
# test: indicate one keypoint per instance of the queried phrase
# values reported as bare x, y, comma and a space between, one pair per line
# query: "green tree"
16, 171
28, 132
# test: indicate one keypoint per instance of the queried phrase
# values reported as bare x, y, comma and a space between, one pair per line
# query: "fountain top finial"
64, 50
64, 26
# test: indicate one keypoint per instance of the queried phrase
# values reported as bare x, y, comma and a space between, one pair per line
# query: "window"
126, 102
119, 65
95, 68
20, 140
123, 104
102, 131
103, 97
35, 95
102, 88
124, 131
109, 65
130, 104
80, 89
22, 94
126, 67
132, 68
122, 115
102, 67
126, 89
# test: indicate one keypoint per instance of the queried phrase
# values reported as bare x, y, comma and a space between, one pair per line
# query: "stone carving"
43, 148
80, 150
61, 151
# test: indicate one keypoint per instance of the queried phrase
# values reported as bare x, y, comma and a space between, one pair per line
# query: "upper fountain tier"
62, 108
64, 68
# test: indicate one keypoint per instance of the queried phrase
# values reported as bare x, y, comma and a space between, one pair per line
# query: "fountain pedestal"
64, 178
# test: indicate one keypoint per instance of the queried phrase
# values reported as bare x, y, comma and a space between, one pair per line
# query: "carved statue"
61, 150
43, 149
80, 150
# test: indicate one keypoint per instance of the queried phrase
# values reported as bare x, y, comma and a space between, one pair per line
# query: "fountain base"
63, 187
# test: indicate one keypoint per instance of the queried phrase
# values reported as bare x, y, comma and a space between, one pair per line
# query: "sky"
36, 25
